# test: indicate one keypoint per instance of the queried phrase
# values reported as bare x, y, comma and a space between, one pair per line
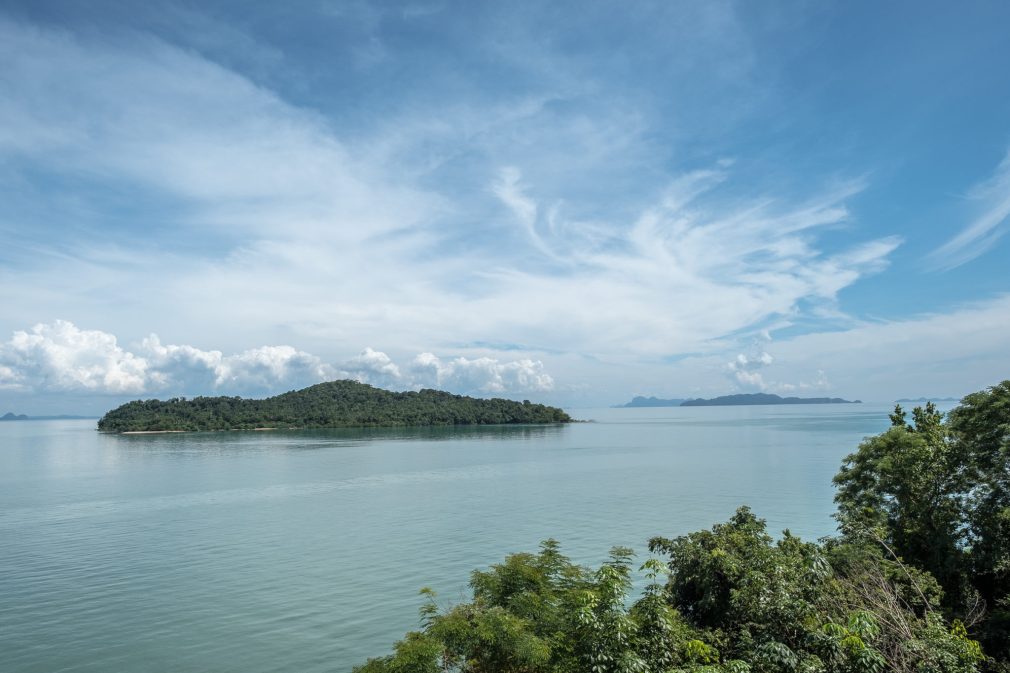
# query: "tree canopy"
937, 491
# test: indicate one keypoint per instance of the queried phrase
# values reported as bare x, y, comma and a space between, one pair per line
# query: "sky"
572, 202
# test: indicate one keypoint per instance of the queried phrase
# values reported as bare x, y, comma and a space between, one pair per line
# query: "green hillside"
326, 405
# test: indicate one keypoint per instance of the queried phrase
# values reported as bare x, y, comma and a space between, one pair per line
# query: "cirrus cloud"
251, 182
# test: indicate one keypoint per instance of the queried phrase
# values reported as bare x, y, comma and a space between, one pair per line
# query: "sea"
252, 552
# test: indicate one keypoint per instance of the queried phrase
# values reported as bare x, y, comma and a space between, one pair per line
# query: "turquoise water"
304, 551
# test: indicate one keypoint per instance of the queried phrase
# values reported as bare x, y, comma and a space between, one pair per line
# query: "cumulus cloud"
177, 366
61, 357
268, 367
485, 375
174, 367
374, 367
745, 370
749, 370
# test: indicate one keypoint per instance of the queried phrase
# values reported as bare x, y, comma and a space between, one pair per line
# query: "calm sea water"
304, 551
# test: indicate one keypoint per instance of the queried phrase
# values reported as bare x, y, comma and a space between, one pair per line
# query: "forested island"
761, 399
335, 404
916, 581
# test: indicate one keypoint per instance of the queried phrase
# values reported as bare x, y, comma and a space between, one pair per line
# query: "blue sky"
574, 202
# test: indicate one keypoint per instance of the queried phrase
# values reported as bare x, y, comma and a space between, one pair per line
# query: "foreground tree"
937, 495
905, 486
742, 589
980, 426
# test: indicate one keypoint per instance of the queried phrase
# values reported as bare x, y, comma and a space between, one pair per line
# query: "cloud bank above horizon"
62, 358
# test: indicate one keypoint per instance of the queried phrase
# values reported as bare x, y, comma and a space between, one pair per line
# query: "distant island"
336, 404
923, 400
651, 402
763, 398
11, 416
735, 400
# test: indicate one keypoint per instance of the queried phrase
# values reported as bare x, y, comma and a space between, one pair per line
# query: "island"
651, 402
335, 404
923, 400
11, 416
763, 398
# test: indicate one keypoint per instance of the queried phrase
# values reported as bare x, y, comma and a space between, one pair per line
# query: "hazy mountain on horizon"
739, 399
11, 416
640, 401
742, 399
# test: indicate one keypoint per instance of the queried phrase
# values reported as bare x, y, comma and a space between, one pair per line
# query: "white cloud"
374, 367
60, 357
319, 234
510, 191
142, 111
992, 198
751, 371
745, 370
484, 375
960, 351
688, 270
181, 366
952, 353
269, 367
264, 369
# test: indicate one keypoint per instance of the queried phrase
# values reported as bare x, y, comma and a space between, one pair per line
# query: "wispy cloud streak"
992, 198
548, 214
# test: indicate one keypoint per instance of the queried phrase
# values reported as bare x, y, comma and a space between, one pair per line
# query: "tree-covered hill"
326, 405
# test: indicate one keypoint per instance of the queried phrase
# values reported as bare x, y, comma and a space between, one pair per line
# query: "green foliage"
540, 612
981, 426
906, 486
924, 510
937, 495
781, 608
735, 581
416, 653
326, 405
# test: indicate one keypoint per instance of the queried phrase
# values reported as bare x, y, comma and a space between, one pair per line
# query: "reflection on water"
304, 550
328, 436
